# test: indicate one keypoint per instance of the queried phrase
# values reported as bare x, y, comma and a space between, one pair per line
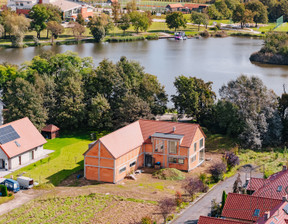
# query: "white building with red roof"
20, 143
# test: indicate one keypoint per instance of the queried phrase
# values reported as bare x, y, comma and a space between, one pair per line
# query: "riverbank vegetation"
274, 51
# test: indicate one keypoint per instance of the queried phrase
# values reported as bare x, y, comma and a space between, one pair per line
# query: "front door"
148, 160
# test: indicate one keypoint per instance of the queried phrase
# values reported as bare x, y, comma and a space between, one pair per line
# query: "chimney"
284, 168
267, 215
174, 129
284, 198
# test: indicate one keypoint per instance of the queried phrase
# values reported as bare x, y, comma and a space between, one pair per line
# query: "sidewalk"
45, 153
203, 206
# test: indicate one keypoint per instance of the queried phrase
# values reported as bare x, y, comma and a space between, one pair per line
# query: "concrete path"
203, 206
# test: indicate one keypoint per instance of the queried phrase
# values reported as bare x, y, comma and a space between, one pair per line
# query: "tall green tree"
139, 21
39, 15
259, 11
175, 20
199, 18
23, 100
223, 9
124, 22
194, 97
242, 15
80, 19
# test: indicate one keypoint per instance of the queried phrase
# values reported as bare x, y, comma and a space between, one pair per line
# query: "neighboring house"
50, 131
1, 112
194, 7
242, 208
174, 7
142, 144
70, 9
211, 220
20, 143
275, 186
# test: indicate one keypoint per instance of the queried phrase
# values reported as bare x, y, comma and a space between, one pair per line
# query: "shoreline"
268, 58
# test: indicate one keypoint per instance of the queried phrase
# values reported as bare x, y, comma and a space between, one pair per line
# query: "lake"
213, 59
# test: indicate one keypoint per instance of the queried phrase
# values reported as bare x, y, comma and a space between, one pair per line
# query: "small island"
274, 51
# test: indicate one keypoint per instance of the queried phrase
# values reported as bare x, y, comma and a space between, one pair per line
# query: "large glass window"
193, 158
122, 170
173, 147
195, 146
201, 143
159, 145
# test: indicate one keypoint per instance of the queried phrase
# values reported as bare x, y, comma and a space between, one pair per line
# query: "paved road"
203, 206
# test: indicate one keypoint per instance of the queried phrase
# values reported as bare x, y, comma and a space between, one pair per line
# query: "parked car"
12, 185
25, 182
2, 180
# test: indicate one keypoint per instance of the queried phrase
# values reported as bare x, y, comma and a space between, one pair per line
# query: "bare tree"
167, 206
55, 28
77, 30
194, 185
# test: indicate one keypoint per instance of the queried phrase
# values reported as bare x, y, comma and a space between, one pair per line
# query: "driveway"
203, 206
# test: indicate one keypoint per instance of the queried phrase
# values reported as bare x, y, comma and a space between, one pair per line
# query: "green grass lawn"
282, 28
66, 159
269, 27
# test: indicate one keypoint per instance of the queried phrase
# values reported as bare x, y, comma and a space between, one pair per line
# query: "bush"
217, 171
3, 190
203, 177
152, 37
178, 199
146, 220
205, 33
194, 185
169, 174
231, 159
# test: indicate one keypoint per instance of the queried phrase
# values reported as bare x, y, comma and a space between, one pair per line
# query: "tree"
39, 14
223, 9
77, 30
199, 18
259, 10
132, 108
80, 19
139, 21
224, 197
55, 28
16, 25
23, 100
131, 6
217, 171
175, 20
214, 13
116, 11
224, 118
283, 110
98, 33
124, 22
231, 159
237, 186
55, 14
167, 206
194, 185
242, 15
258, 110
2, 30
194, 97
100, 26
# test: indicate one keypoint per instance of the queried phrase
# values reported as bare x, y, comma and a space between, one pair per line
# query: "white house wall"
25, 157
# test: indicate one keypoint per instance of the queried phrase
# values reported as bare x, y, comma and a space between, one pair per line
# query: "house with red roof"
50, 131
189, 7
174, 7
143, 144
212, 220
20, 143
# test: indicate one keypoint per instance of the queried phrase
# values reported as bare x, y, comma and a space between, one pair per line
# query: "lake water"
214, 59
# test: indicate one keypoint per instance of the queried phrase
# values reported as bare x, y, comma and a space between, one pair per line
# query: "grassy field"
78, 209
6, 199
66, 159
282, 28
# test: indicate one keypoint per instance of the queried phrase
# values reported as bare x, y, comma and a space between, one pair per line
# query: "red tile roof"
50, 128
270, 189
242, 207
194, 6
210, 220
256, 183
172, 6
277, 215
134, 135
29, 138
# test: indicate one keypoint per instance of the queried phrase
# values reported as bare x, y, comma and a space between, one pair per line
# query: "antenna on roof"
174, 129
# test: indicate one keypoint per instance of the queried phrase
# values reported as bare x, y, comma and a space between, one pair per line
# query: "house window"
279, 189
132, 164
193, 158
122, 169
159, 145
195, 146
19, 160
173, 147
172, 160
256, 212
181, 161
201, 143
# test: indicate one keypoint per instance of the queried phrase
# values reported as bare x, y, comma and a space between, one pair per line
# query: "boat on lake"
180, 35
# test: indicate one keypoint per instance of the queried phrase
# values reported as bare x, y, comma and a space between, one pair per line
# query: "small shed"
50, 131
